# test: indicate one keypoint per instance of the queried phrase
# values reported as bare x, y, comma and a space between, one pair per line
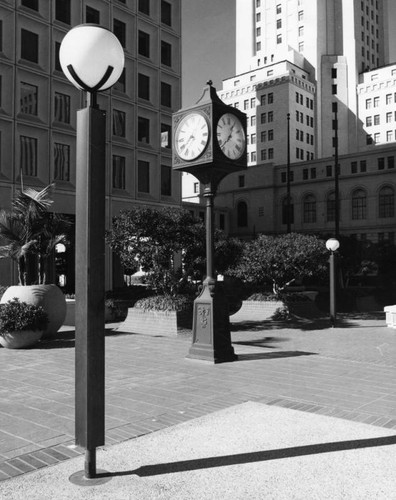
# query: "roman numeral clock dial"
231, 136
191, 136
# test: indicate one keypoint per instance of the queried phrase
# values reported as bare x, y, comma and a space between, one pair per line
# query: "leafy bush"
16, 316
281, 313
165, 303
272, 297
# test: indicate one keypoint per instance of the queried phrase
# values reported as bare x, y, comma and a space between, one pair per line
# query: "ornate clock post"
209, 141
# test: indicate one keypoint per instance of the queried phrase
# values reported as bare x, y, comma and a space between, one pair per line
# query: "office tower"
38, 105
332, 41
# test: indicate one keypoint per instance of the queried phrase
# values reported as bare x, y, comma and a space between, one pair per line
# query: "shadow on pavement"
273, 355
66, 339
259, 456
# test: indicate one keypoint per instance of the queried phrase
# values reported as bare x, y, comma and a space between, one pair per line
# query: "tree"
281, 260
149, 238
30, 233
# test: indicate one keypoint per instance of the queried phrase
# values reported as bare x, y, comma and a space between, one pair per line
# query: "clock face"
192, 136
231, 136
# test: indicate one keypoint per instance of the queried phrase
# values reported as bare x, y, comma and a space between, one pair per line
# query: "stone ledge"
151, 322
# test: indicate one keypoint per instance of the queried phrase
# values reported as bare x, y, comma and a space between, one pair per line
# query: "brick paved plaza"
347, 372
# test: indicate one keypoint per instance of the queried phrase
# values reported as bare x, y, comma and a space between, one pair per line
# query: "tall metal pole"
336, 174
333, 311
288, 176
90, 287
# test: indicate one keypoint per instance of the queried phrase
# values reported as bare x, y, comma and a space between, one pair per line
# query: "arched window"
359, 204
330, 207
386, 202
242, 214
309, 209
287, 210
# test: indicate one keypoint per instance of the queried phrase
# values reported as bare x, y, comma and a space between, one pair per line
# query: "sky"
208, 44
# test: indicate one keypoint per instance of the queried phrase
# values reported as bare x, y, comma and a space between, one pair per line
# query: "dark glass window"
381, 163
63, 11
28, 159
28, 101
143, 130
309, 209
166, 95
391, 162
29, 46
62, 108
359, 205
166, 136
166, 180
32, 4
386, 202
241, 181
242, 214
61, 162
144, 6
329, 170
287, 211
143, 86
92, 15
144, 44
118, 172
119, 119
119, 29
166, 13
120, 85
143, 176
166, 53
58, 66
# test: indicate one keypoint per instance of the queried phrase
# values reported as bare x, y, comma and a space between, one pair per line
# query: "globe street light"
92, 58
332, 245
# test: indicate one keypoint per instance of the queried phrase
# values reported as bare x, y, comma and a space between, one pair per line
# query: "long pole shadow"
258, 456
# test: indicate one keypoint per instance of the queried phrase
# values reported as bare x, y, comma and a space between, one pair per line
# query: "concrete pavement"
347, 372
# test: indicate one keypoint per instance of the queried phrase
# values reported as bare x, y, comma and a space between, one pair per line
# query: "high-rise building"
38, 105
333, 42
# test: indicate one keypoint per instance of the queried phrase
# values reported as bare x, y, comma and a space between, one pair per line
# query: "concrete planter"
20, 339
390, 316
153, 322
70, 319
49, 297
256, 310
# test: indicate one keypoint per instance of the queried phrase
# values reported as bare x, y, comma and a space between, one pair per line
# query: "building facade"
38, 105
257, 197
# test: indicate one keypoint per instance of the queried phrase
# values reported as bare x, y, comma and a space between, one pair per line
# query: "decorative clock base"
211, 327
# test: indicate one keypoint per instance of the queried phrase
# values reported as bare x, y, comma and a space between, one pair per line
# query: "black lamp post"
333, 245
336, 173
288, 204
92, 58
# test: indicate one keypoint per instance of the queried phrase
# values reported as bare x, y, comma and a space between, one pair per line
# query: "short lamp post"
92, 58
333, 245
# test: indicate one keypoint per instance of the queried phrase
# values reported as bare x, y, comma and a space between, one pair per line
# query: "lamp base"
211, 327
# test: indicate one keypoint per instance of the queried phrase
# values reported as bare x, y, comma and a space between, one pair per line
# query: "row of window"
359, 209
61, 171
300, 119
375, 101
390, 136
30, 45
63, 10
309, 138
252, 103
308, 101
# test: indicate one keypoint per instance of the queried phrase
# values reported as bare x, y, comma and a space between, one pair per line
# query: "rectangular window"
143, 87
334, 89
144, 6
270, 154
166, 53
58, 66
263, 118
391, 161
270, 116
376, 102
166, 180
118, 172
263, 154
305, 174
29, 46
166, 95
196, 187
270, 98
166, 13
144, 44
252, 102
61, 162
353, 167
329, 170
166, 136
301, 15
28, 160
253, 120
263, 136
363, 166
388, 98
376, 119
369, 121
241, 181
253, 156
263, 100
278, 39
279, 8
313, 173
31, 4
246, 104
92, 15
270, 135
119, 119
28, 101
62, 108
143, 130
119, 29
381, 163
253, 139
63, 11
389, 136
143, 176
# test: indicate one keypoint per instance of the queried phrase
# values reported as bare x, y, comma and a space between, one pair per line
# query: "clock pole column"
211, 325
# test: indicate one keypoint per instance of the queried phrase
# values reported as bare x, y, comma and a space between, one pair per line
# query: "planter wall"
390, 316
151, 322
256, 310
20, 340
70, 318
49, 297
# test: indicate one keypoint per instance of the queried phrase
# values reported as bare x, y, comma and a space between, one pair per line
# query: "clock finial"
209, 82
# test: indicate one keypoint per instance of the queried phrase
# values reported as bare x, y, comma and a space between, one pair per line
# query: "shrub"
16, 316
165, 303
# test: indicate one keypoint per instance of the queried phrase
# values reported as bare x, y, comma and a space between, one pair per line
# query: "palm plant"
30, 233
